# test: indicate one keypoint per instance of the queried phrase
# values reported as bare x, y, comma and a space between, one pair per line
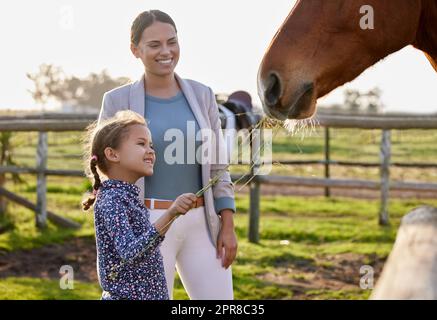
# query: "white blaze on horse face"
367, 21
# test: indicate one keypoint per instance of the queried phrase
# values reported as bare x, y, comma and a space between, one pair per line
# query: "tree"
374, 100
368, 101
351, 99
52, 83
49, 82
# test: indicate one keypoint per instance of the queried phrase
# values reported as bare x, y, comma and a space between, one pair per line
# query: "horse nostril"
273, 90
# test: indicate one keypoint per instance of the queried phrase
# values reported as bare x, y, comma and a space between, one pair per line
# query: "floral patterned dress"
129, 263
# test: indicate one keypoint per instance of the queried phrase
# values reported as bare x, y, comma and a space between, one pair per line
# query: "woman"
202, 245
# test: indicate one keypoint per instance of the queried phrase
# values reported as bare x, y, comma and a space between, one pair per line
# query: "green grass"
357, 294
313, 220
316, 227
44, 289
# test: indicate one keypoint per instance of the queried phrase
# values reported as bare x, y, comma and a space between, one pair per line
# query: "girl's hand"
182, 204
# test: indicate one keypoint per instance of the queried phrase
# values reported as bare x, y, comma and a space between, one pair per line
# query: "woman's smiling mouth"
165, 62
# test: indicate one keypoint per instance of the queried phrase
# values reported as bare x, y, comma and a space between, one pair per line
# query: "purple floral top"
129, 262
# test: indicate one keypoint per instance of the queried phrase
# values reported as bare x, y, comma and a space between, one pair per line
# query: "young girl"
129, 263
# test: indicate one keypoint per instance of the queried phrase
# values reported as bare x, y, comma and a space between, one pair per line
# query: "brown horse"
322, 45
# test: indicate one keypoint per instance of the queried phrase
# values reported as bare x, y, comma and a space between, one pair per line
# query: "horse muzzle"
281, 105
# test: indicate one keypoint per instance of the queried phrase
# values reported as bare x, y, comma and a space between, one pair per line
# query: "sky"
222, 44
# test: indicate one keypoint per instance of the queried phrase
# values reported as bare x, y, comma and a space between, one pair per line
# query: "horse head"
323, 44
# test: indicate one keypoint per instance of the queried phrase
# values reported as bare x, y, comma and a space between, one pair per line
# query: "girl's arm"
128, 245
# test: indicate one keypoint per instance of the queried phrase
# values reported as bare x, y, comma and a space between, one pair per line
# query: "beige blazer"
203, 104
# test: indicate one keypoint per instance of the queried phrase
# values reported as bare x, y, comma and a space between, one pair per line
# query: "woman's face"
158, 49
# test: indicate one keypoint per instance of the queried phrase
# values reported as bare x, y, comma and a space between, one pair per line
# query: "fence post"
254, 185
327, 159
385, 176
410, 272
4, 146
41, 188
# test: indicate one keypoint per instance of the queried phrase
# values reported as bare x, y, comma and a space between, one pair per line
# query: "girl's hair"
144, 20
99, 136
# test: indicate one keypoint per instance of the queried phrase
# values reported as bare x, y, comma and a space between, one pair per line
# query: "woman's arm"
227, 239
223, 190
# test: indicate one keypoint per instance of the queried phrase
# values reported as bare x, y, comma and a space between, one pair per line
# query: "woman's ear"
111, 154
135, 50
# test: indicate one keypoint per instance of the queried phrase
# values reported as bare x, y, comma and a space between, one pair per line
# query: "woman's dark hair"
144, 20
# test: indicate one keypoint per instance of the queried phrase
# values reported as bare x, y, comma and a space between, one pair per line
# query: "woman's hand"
227, 239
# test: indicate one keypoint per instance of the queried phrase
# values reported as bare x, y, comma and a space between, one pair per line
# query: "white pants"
187, 248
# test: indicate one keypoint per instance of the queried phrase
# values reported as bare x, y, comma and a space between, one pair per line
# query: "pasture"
311, 247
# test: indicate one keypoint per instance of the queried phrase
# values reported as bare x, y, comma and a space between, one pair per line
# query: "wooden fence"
44, 123
384, 123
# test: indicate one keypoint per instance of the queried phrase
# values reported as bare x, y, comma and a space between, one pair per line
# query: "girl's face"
135, 154
158, 49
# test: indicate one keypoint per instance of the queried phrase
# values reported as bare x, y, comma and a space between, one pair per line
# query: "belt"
165, 204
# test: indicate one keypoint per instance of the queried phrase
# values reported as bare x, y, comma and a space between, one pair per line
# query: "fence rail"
385, 122
46, 122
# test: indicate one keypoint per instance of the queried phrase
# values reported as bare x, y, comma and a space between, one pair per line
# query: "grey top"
181, 173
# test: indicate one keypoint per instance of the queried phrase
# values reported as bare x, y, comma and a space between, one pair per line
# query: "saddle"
240, 104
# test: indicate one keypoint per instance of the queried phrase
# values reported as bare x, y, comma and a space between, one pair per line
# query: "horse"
322, 45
